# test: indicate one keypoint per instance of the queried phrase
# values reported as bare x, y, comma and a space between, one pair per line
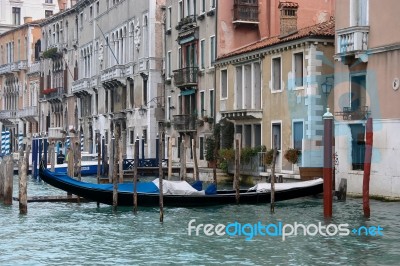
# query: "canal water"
83, 234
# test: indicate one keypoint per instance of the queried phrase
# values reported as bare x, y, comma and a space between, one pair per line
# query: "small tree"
292, 155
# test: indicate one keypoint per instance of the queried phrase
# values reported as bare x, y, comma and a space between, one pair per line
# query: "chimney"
288, 18
27, 19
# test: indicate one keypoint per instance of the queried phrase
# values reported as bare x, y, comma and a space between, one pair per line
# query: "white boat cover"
178, 188
266, 187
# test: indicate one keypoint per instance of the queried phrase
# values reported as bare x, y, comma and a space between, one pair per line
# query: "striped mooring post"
67, 142
20, 141
82, 141
5, 142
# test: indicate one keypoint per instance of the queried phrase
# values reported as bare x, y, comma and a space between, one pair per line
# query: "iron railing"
186, 76
245, 11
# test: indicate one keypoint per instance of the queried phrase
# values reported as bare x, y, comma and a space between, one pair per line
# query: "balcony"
80, 87
350, 113
186, 77
113, 77
7, 115
186, 23
352, 41
14, 67
29, 114
52, 95
244, 114
245, 12
56, 133
34, 68
4, 69
23, 65
188, 30
185, 123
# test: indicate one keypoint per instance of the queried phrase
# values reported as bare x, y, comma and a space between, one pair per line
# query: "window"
201, 148
81, 19
212, 50
357, 146
212, 105
131, 93
180, 11
202, 110
131, 136
276, 136
202, 50
224, 83
169, 18
212, 4
298, 69
359, 12
49, 1
202, 6
16, 15
357, 92
248, 86
48, 13
169, 107
97, 8
168, 66
90, 12
144, 136
179, 58
298, 135
276, 74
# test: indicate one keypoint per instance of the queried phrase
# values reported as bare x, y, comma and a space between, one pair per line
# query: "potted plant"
292, 155
210, 146
269, 156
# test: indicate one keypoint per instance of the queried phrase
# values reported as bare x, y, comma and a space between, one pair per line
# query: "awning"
186, 40
188, 92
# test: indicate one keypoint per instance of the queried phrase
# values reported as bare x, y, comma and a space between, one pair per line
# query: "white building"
12, 13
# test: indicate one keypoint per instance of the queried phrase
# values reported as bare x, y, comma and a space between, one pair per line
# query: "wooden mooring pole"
98, 143
135, 177
161, 174
367, 167
327, 170
236, 182
183, 161
196, 165
8, 180
2, 178
115, 168
23, 198
169, 158
274, 153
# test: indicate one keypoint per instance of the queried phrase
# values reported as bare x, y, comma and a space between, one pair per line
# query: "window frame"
273, 90
220, 85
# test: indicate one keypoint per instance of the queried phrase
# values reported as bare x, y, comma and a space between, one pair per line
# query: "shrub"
292, 155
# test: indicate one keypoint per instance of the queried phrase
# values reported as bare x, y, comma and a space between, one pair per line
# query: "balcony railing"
186, 77
28, 112
56, 133
185, 123
114, 72
14, 67
34, 68
55, 95
23, 64
245, 11
8, 114
350, 113
80, 85
353, 39
187, 23
5, 69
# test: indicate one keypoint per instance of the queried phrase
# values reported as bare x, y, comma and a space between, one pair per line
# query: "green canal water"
82, 234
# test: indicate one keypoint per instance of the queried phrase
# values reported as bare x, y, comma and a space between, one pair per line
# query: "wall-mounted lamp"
327, 86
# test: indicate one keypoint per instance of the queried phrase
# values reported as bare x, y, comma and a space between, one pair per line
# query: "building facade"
271, 89
120, 65
190, 52
367, 85
18, 102
12, 13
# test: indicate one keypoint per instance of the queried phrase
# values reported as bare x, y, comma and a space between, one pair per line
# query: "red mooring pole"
367, 167
327, 171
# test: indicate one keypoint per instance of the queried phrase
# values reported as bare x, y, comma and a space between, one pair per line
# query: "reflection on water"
82, 234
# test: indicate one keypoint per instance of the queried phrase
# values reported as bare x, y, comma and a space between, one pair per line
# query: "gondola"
148, 192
